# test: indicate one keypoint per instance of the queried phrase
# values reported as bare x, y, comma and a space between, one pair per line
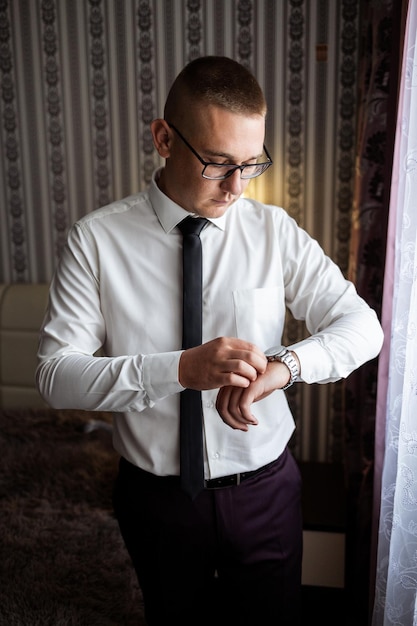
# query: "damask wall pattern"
81, 81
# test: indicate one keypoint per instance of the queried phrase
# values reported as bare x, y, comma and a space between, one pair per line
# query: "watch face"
274, 351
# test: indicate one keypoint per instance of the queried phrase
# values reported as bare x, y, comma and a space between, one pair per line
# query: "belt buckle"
223, 482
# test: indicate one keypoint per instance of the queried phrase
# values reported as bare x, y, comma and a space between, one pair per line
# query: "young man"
232, 553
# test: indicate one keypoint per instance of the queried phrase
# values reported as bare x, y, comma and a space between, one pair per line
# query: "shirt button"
216, 455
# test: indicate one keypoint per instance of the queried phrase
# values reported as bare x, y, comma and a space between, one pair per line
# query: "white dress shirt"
118, 286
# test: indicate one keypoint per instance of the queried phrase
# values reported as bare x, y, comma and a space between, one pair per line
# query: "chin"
218, 209
214, 212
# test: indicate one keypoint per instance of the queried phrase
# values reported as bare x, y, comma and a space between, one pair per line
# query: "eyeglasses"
220, 171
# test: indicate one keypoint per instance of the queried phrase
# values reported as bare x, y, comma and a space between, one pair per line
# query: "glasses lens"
252, 171
215, 171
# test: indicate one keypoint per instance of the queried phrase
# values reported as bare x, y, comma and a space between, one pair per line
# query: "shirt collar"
170, 213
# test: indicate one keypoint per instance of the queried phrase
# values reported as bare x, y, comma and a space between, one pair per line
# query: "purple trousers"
231, 556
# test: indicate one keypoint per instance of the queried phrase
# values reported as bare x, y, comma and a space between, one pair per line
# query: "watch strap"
291, 363
285, 356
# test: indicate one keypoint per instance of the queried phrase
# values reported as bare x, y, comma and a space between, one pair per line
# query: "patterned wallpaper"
82, 79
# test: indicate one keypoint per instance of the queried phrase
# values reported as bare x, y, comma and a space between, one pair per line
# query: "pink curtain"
395, 483
378, 87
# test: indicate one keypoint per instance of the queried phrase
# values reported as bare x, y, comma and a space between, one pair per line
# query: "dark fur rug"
62, 559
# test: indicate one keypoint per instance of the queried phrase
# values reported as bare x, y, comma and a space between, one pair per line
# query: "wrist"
288, 358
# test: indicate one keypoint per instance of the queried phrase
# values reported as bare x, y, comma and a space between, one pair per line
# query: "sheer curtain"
396, 436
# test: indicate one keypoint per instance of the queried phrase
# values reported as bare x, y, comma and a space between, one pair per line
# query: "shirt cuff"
160, 375
315, 363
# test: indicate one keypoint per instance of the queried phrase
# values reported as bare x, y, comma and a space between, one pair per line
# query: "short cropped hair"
215, 80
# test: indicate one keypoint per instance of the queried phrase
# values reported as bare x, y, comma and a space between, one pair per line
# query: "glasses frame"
232, 168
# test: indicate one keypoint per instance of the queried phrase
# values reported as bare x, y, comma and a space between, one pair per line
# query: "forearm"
126, 383
341, 348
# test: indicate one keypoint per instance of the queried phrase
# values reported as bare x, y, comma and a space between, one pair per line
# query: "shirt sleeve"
70, 372
344, 330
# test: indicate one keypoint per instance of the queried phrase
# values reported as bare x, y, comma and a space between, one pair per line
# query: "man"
232, 553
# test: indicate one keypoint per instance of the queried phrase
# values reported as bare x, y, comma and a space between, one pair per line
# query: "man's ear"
161, 137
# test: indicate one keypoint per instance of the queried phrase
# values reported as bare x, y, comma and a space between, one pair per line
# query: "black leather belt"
213, 483
234, 479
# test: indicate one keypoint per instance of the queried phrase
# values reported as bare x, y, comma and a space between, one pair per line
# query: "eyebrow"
225, 155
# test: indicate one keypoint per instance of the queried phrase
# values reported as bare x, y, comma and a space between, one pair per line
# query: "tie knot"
192, 225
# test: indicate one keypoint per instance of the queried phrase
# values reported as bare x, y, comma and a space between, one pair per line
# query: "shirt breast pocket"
260, 315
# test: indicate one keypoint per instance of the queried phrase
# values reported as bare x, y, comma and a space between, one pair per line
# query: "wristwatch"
280, 353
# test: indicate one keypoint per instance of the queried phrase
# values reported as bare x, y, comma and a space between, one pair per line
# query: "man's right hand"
221, 362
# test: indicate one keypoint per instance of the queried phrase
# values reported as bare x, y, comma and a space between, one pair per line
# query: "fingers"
247, 355
235, 362
228, 407
234, 407
225, 361
236, 372
234, 404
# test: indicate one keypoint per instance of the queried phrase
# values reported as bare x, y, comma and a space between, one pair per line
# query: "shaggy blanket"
62, 559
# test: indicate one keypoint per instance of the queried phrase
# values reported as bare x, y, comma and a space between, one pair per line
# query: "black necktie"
191, 437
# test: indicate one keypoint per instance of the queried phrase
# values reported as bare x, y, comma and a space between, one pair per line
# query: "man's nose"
234, 184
